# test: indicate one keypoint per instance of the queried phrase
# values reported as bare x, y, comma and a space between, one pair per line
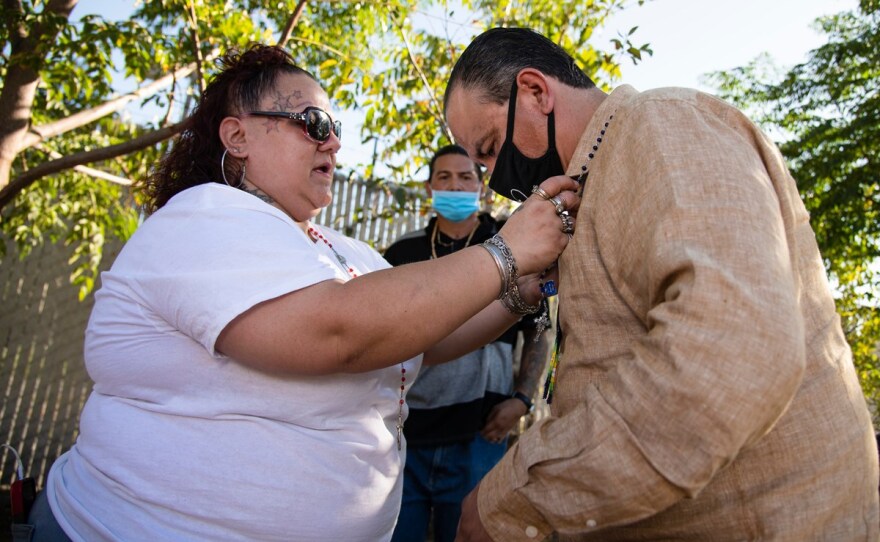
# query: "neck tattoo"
260, 194
315, 235
550, 380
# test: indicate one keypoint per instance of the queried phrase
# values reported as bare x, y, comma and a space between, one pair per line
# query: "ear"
534, 90
428, 189
234, 136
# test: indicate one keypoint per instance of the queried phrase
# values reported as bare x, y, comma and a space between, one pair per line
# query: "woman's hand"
534, 232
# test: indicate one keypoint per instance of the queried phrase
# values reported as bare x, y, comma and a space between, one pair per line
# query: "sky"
694, 37
690, 38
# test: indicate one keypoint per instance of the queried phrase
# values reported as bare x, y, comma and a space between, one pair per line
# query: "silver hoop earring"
223, 171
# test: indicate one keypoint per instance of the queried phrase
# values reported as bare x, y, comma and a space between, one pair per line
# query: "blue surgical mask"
456, 206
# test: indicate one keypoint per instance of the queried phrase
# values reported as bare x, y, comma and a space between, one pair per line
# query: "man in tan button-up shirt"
704, 389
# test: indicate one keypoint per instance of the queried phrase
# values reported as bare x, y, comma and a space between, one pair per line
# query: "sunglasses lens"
318, 125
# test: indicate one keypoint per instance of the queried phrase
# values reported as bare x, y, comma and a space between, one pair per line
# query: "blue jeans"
437, 478
41, 526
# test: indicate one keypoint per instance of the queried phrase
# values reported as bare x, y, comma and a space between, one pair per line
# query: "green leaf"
823, 114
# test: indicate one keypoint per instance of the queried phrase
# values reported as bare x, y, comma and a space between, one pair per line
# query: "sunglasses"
317, 124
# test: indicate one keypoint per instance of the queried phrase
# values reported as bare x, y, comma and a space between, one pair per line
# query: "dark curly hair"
245, 78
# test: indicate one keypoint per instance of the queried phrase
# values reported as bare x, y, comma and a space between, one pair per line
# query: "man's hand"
502, 419
470, 528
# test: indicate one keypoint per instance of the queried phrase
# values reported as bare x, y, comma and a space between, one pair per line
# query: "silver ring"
560, 207
567, 223
540, 192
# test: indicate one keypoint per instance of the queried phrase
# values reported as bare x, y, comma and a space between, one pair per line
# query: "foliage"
825, 112
389, 59
77, 209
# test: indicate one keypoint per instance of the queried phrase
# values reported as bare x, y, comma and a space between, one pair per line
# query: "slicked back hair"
490, 63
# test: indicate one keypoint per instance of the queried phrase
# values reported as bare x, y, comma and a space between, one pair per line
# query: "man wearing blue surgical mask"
455, 185
462, 411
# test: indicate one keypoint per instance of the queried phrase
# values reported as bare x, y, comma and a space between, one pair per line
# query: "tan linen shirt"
705, 390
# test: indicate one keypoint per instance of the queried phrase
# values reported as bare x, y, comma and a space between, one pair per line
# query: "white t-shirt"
178, 442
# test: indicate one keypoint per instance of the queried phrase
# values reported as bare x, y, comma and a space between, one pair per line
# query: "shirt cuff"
504, 512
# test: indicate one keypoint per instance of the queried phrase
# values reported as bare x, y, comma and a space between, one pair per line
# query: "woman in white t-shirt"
250, 367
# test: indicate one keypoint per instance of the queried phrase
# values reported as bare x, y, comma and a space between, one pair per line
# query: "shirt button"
591, 523
531, 531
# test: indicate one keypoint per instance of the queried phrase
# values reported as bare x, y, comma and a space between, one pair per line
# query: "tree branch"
91, 172
22, 74
438, 109
39, 133
171, 101
197, 46
291, 23
8, 193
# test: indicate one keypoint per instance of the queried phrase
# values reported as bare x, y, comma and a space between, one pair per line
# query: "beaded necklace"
436, 240
315, 235
550, 380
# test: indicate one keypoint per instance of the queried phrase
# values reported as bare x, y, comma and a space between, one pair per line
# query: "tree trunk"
22, 76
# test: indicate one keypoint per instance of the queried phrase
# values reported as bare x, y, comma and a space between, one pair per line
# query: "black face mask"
514, 173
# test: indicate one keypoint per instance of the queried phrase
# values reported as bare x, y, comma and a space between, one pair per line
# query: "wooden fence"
42, 323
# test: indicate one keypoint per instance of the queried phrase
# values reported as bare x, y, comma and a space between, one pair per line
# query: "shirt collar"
603, 113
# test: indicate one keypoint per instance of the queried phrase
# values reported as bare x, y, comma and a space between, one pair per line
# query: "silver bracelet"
502, 268
508, 262
515, 304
